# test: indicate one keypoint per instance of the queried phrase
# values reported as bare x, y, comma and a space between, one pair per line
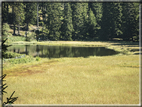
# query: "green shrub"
12, 55
5, 30
37, 58
30, 36
21, 60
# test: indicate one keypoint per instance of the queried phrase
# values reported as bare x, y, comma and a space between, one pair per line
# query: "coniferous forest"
71, 52
77, 21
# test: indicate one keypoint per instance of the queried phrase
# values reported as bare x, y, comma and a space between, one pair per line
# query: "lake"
47, 51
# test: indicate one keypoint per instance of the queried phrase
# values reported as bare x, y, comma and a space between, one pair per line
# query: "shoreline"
122, 47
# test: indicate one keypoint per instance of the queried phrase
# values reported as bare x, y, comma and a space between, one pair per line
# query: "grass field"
93, 80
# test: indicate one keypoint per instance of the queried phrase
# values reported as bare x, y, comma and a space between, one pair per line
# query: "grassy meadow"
93, 80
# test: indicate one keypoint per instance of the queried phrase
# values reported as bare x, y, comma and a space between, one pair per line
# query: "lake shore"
92, 80
123, 47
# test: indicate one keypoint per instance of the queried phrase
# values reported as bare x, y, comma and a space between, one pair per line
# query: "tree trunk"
37, 17
19, 26
13, 20
27, 26
7, 13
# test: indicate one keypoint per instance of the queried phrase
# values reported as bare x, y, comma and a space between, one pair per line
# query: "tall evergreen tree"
13, 16
18, 15
5, 10
67, 26
92, 25
111, 21
85, 12
54, 21
105, 23
97, 10
78, 21
130, 20
30, 13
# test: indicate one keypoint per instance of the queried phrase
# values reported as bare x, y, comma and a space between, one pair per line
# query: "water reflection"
61, 51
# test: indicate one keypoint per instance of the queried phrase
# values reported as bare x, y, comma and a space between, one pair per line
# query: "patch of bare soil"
27, 70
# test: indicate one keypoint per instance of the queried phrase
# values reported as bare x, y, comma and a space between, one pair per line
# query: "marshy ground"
93, 80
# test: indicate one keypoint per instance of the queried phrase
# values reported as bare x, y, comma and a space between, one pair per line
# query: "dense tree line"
75, 20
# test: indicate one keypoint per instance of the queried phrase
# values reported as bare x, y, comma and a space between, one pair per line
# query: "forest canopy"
75, 20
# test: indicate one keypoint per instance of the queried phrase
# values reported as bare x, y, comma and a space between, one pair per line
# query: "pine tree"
85, 26
54, 21
30, 13
67, 26
111, 21
13, 16
105, 22
117, 20
18, 15
130, 20
78, 21
5, 10
92, 25
97, 10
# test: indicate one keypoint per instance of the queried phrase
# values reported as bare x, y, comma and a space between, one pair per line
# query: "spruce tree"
92, 25
5, 10
54, 21
67, 26
97, 10
18, 15
111, 21
117, 20
85, 26
105, 22
30, 13
78, 21
130, 20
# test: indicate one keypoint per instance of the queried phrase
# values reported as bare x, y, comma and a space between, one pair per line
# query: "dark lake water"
61, 51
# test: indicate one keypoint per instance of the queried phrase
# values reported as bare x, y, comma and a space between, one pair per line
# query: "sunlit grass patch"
93, 80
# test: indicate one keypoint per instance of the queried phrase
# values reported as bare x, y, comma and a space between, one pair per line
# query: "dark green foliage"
67, 26
37, 34
78, 20
30, 14
12, 55
97, 10
111, 21
92, 25
54, 22
85, 26
5, 30
37, 58
74, 20
5, 11
130, 21
16, 58
4, 48
11, 99
18, 15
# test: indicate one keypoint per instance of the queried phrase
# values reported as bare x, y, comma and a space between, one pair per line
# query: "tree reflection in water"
62, 51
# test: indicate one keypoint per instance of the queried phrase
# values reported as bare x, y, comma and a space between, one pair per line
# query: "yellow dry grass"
92, 80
